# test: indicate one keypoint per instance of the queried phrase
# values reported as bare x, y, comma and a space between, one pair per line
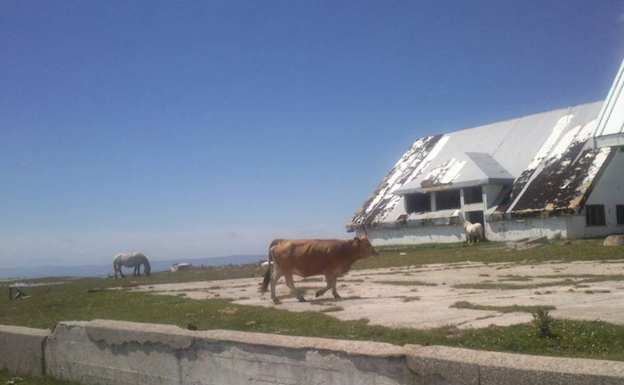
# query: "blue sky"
200, 129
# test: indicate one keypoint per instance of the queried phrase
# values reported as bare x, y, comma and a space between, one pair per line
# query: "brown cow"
307, 257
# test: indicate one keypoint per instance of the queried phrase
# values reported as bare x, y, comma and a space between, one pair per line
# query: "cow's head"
364, 246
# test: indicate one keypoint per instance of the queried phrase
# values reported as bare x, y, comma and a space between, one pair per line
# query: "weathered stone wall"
120, 353
21, 350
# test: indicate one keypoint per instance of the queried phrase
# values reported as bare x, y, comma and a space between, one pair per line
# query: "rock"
614, 240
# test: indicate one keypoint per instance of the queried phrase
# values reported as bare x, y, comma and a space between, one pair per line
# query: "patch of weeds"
181, 295
407, 283
516, 278
508, 286
214, 288
411, 299
501, 309
332, 309
597, 291
544, 323
484, 275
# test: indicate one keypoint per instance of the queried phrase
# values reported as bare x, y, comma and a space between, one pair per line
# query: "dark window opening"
595, 215
447, 200
473, 195
475, 217
620, 214
417, 203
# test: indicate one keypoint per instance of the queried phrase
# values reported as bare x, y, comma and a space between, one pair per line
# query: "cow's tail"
267, 276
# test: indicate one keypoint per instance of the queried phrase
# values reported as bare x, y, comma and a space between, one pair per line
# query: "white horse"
131, 260
474, 231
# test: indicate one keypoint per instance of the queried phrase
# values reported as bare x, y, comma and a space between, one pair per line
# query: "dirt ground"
422, 296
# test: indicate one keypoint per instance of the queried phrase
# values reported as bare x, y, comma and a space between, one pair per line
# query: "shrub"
544, 322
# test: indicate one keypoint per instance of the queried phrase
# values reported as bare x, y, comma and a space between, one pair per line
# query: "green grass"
49, 305
509, 286
20, 379
501, 309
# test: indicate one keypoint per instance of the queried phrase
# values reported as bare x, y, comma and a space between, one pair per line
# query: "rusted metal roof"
543, 159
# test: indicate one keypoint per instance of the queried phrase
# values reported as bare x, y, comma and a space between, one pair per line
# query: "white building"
559, 174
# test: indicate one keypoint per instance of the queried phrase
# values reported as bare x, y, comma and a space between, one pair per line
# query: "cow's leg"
121, 272
334, 291
274, 278
291, 285
327, 287
331, 284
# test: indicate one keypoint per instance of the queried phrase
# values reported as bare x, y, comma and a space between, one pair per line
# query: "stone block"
21, 350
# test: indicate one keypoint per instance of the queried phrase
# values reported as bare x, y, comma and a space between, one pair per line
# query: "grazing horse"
474, 231
131, 260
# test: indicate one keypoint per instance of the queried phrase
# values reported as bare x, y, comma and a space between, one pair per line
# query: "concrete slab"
120, 353
466, 367
21, 350
422, 296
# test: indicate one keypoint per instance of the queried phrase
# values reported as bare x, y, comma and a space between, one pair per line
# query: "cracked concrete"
388, 296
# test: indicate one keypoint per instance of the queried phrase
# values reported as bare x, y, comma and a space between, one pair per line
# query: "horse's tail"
267, 276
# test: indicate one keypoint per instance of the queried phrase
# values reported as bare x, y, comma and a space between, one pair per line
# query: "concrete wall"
511, 230
416, 235
120, 353
21, 350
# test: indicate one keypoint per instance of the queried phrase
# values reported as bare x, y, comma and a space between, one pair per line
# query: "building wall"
416, 235
512, 230
609, 191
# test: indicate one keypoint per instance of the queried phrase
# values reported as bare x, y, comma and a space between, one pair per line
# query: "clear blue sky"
207, 128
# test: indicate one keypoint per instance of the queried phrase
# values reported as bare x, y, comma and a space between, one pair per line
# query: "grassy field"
10, 378
77, 300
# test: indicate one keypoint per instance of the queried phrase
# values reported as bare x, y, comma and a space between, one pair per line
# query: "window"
417, 203
595, 215
473, 195
475, 217
447, 200
620, 214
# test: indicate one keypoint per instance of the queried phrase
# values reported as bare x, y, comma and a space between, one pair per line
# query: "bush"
544, 322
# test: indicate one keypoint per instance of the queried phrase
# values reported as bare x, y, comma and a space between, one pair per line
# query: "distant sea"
104, 270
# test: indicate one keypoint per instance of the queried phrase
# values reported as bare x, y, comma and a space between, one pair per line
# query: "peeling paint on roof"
411, 165
444, 174
546, 156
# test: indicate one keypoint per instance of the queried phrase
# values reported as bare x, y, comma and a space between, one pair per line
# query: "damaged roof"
543, 161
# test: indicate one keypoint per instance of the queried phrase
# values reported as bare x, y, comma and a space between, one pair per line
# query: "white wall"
511, 230
416, 235
104, 352
609, 191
